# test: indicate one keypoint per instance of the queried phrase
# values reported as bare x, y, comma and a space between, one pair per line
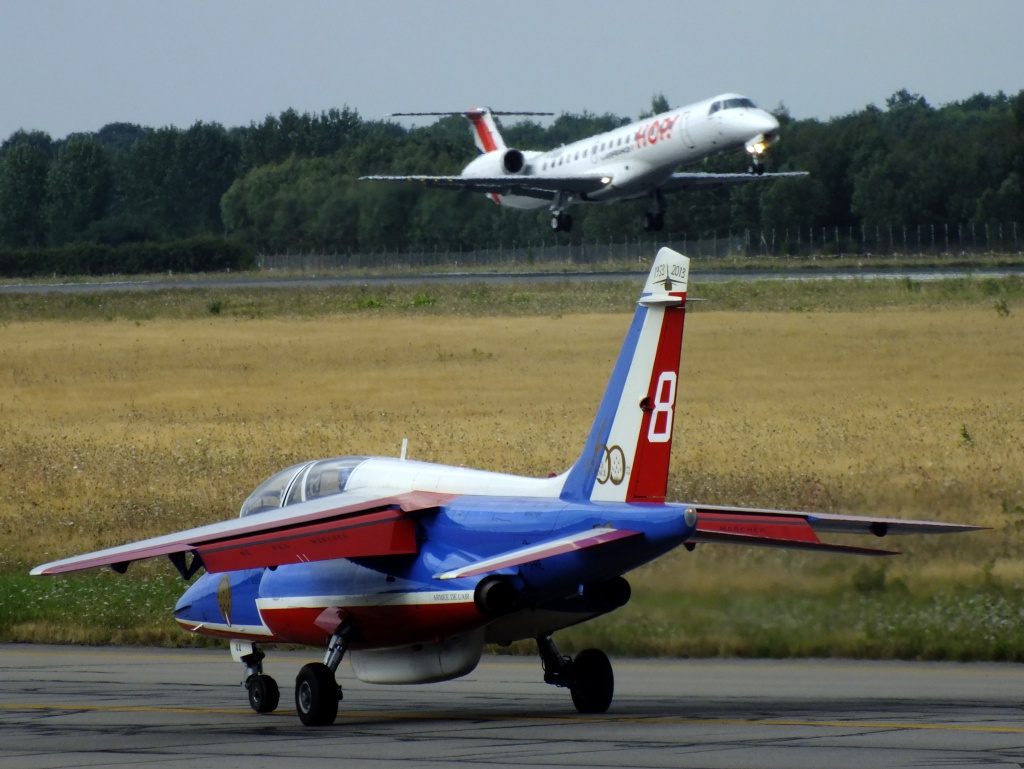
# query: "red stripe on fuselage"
377, 626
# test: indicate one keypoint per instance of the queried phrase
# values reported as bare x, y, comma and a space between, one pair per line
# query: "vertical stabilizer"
485, 130
626, 456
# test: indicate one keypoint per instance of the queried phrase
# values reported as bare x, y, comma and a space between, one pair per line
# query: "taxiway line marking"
653, 720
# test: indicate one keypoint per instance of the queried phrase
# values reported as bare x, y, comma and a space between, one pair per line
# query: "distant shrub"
194, 255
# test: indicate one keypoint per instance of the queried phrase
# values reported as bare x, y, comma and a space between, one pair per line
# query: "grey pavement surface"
91, 707
269, 280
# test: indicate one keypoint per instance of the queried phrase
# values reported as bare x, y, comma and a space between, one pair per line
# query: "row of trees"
290, 182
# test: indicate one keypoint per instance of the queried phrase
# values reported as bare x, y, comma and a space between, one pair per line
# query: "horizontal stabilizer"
794, 530
752, 540
578, 541
829, 523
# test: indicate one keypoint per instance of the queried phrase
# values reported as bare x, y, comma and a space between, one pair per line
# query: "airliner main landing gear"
654, 220
588, 677
316, 690
561, 221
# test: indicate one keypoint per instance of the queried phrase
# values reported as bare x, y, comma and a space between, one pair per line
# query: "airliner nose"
766, 124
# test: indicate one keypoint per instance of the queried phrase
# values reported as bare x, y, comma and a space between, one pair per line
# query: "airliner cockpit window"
739, 103
715, 107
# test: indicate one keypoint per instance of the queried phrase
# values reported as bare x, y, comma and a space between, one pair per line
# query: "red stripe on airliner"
476, 119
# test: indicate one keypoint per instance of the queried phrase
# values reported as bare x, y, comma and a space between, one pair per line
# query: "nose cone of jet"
766, 125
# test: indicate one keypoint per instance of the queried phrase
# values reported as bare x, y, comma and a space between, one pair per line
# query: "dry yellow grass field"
114, 431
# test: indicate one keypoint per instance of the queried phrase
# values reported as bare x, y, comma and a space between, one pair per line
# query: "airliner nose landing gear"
588, 677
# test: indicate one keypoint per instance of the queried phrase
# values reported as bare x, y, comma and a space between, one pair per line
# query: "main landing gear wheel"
264, 695
561, 222
316, 695
589, 677
592, 683
654, 222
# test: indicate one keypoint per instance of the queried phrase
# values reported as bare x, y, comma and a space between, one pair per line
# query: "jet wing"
346, 526
541, 187
795, 530
679, 182
578, 541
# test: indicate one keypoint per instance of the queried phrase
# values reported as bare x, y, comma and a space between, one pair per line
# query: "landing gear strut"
588, 678
264, 694
316, 690
654, 220
561, 221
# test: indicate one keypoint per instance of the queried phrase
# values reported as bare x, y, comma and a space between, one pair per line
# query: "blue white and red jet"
410, 568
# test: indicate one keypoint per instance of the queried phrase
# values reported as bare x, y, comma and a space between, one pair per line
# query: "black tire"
593, 682
264, 695
649, 222
316, 695
566, 223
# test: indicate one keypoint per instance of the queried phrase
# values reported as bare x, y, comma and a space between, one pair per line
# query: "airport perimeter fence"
931, 241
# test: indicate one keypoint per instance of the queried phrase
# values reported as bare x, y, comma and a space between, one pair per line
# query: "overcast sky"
76, 65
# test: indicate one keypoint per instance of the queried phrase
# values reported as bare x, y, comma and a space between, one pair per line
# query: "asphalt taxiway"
311, 281
78, 706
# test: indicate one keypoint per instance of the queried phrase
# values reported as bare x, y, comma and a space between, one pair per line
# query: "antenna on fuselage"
405, 447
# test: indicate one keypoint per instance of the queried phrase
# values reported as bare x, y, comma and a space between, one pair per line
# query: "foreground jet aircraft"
409, 568
634, 161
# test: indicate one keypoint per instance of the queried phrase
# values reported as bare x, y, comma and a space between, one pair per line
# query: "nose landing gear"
264, 695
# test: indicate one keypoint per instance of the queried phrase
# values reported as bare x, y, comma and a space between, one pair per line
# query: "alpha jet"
410, 568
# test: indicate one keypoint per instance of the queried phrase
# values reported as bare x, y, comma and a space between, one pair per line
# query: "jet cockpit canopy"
300, 483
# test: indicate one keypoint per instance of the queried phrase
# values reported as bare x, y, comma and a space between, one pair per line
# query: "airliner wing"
795, 530
542, 187
679, 182
353, 525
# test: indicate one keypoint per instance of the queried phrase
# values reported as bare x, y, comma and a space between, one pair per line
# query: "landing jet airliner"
635, 161
410, 568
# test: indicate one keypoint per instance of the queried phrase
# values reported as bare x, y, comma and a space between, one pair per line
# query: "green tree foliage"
291, 180
79, 188
24, 165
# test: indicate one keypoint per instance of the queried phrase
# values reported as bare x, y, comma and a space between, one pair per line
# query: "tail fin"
486, 135
626, 456
485, 130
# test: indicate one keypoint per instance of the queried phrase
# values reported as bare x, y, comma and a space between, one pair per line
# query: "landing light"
606, 180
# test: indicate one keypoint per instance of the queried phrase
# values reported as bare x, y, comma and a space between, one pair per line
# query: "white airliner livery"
634, 161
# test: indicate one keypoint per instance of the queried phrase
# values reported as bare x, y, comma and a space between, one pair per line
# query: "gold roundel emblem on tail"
224, 598
612, 467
